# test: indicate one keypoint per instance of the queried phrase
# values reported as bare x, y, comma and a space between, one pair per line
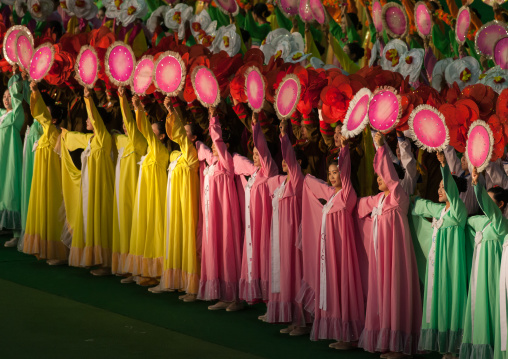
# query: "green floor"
63, 312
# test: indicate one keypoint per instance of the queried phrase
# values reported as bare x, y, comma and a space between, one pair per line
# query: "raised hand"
474, 176
167, 104
441, 158
212, 111
86, 92
379, 139
255, 116
33, 86
121, 91
283, 127
136, 102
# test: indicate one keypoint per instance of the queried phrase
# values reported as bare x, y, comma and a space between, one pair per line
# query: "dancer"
339, 311
45, 221
393, 318
445, 279
131, 147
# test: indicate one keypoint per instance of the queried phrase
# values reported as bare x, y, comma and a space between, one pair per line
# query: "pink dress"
339, 307
285, 254
257, 216
394, 308
222, 230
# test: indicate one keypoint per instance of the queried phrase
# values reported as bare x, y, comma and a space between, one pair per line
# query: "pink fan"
255, 89
377, 16
205, 86
356, 117
42, 61
488, 35
501, 53
394, 20
423, 19
462, 25
287, 96
143, 75
87, 66
120, 61
24, 48
429, 128
479, 145
9, 48
288, 7
384, 109
228, 6
305, 11
169, 73
318, 11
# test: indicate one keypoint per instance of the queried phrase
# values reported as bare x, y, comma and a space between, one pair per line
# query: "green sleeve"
427, 209
336, 31
352, 35
491, 210
457, 206
441, 41
373, 33
282, 20
454, 43
221, 18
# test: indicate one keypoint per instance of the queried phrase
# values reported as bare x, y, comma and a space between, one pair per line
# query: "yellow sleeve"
176, 132
99, 128
344, 60
75, 140
39, 110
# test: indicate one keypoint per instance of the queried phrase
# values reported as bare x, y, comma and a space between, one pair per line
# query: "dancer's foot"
235, 307
147, 282
263, 317
190, 298
287, 330
128, 280
100, 272
298, 331
56, 262
11, 243
397, 355
157, 289
219, 306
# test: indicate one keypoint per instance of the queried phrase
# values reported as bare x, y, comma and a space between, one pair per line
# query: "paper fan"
318, 11
479, 145
9, 48
205, 86
488, 35
24, 48
169, 73
462, 25
500, 53
394, 20
228, 7
356, 117
428, 128
42, 61
255, 89
377, 16
143, 75
423, 19
287, 96
120, 62
305, 11
87, 66
384, 109
288, 7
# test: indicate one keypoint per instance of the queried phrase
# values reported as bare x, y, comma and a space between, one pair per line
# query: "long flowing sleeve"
345, 175
498, 222
453, 161
75, 140
426, 208
17, 117
457, 206
408, 162
204, 152
294, 170
176, 132
496, 176
146, 130
267, 163
130, 123
100, 130
39, 110
383, 166
225, 157
243, 166
319, 188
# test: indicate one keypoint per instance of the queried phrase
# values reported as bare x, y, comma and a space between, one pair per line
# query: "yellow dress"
130, 149
46, 217
181, 266
92, 192
146, 249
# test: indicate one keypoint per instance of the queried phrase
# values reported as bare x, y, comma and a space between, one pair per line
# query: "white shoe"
157, 289
11, 243
127, 280
100, 272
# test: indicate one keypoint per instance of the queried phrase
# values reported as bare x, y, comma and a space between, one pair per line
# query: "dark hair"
400, 170
354, 20
477, 13
500, 194
245, 35
300, 156
57, 113
103, 9
356, 49
161, 127
261, 10
56, 27
106, 117
461, 183
332, 161
197, 131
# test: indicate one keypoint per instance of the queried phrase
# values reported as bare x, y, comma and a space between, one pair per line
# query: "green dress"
257, 32
33, 134
444, 301
11, 157
481, 322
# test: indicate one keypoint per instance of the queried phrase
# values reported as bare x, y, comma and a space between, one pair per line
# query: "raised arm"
129, 121
457, 206
491, 210
453, 161
100, 130
408, 162
294, 170
345, 174
75, 140
243, 166
426, 208
176, 132
225, 157
204, 152
16, 91
267, 163
383, 166
496, 176
39, 109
